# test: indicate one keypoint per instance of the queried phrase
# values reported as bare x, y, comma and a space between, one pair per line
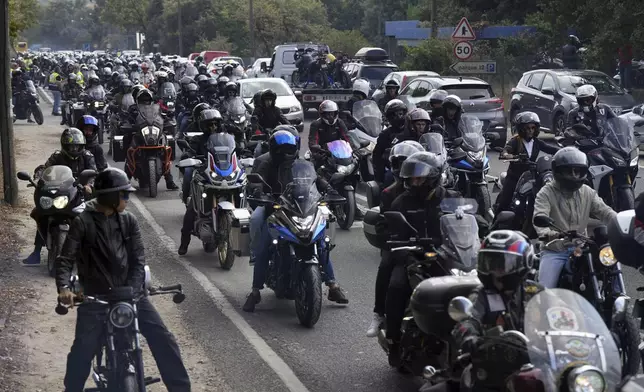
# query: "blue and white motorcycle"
469, 161
217, 196
302, 228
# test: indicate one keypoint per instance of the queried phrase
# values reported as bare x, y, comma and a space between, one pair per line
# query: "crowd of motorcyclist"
411, 178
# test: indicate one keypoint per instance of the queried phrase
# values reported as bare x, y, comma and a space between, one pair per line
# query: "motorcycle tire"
482, 196
629, 334
130, 383
152, 178
57, 243
295, 77
624, 199
308, 295
35, 110
101, 130
345, 79
347, 211
224, 247
321, 79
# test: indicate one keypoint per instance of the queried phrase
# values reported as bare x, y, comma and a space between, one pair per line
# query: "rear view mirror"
346, 113
23, 175
399, 224
262, 66
86, 175
543, 221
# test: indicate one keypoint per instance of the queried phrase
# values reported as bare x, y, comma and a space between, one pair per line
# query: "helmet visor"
498, 263
573, 173
415, 170
586, 101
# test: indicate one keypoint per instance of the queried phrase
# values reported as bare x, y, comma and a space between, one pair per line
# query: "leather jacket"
84, 162
109, 254
321, 133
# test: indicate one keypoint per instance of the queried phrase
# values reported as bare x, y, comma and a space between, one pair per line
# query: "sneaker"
336, 294
33, 259
376, 322
252, 300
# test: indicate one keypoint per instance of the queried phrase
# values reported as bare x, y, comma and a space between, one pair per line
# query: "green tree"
432, 54
22, 15
348, 42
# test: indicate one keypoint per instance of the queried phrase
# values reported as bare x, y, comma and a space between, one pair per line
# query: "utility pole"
251, 28
434, 21
180, 28
10, 184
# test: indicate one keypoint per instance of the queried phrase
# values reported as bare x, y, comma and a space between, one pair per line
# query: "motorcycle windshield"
301, 193
433, 142
619, 135
407, 101
127, 101
221, 146
472, 133
30, 87
168, 92
367, 113
235, 107
460, 231
340, 149
150, 115
57, 176
97, 93
565, 330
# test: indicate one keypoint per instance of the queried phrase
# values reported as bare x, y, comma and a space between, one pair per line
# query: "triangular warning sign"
463, 30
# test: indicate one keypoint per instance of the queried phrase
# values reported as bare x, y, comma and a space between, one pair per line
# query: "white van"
283, 62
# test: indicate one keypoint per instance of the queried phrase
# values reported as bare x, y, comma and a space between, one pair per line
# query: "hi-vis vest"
54, 84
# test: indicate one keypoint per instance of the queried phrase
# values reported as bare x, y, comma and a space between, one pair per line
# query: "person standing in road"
105, 242
55, 86
625, 65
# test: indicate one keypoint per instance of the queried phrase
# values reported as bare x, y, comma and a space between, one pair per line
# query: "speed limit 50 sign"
463, 50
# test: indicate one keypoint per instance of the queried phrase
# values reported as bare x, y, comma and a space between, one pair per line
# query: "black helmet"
72, 142
504, 259
574, 40
186, 81
196, 111
231, 87
202, 68
284, 144
525, 118
392, 83
421, 172
400, 152
191, 89
201, 80
136, 88
257, 98
108, 186
115, 75
221, 83
227, 69
126, 86
93, 80
144, 97
211, 86
570, 168
437, 97
71, 78
268, 94
209, 120
395, 112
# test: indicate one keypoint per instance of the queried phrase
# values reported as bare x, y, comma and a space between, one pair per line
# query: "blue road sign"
87, 47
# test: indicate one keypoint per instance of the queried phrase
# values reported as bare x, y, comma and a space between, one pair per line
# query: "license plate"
330, 97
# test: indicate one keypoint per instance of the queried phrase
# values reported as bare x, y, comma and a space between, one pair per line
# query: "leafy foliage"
431, 54
22, 15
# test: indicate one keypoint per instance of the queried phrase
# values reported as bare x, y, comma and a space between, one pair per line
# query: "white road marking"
45, 96
283, 371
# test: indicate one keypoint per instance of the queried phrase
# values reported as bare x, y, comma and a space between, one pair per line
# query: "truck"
282, 65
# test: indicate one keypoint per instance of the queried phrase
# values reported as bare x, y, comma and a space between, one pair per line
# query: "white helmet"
584, 94
362, 86
329, 112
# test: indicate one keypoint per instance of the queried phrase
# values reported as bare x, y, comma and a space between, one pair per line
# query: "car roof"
242, 81
416, 73
451, 80
563, 72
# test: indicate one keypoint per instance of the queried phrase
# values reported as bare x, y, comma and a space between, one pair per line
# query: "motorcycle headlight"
303, 223
634, 161
606, 256
586, 381
61, 202
46, 202
122, 315
476, 156
153, 131
342, 169
97, 104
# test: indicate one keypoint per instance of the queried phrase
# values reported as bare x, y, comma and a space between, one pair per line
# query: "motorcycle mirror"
639, 110
178, 298
315, 148
24, 176
86, 175
460, 308
399, 223
543, 221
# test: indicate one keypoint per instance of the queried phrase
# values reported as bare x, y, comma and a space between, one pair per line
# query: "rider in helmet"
525, 142
90, 128
436, 99
570, 203
590, 112
504, 260
209, 122
391, 92
267, 115
211, 94
417, 123
360, 92
202, 69
222, 81
399, 153
71, 90
73, 155
453, 110
570, 53
421, 173
395, 113
227, 71
283, 151
327, 128
187, 101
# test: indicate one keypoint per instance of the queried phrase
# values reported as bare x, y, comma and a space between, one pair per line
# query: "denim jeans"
260, 243
57, 98
550, 267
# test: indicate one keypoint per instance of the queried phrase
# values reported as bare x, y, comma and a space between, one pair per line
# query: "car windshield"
603, 84
466, 91
279, 87
376, 74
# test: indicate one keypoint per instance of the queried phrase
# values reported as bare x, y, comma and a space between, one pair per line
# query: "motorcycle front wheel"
224, 248
629, 335
152, 177
346, 212
308, 295
35, 110
130, 384
57, 239
482, 196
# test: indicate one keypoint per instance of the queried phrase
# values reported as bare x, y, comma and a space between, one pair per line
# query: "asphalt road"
268, 350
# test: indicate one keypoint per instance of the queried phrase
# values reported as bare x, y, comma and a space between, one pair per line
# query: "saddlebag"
118, 150
373, 194
240, 235
369, 222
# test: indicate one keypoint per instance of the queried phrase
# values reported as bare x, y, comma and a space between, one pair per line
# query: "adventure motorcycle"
590, 263
167, 102
468, 158
27, 103
95, 105
564, 346
368, 125
118, 364
218, 198
119, 120
616, 153
236, 120
301, 243
59, 198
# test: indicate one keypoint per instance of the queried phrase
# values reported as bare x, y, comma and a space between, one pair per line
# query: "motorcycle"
446, 271
433, 142
302, 228
564, 346
615, 156
118, 364
59, 198
118, 120
592, 262
368, 120
236, 120
149, 157
217, 196
469, 160
27, 104
525, 193
340, 169
95, 105
167, 104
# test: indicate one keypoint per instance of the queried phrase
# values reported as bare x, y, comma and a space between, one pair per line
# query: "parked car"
403, 78
551, 94
477, 98
372, 64
256, 70
636, 118
286, 99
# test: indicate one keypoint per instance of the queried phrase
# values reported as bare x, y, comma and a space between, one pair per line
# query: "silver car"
286, 101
